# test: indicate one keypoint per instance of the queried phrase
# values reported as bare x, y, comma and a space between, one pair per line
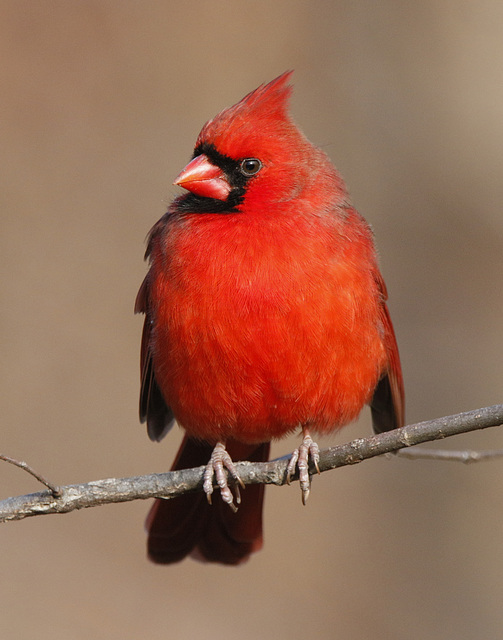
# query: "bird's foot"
300, 459
219, 461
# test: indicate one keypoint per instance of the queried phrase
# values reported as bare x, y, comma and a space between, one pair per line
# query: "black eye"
250, 166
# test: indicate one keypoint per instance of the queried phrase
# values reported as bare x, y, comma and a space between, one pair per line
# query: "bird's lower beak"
204, 179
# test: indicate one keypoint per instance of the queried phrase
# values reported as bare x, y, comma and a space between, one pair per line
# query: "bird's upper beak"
204, 179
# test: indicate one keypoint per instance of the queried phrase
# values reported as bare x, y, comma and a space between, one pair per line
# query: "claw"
300, 460
218, 462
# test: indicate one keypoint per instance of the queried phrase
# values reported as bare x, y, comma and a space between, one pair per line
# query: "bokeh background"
101, 102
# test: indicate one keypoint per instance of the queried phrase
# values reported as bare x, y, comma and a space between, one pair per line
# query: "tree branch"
176, 483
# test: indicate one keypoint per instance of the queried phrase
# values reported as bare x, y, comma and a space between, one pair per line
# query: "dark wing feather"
153, 407
388, 402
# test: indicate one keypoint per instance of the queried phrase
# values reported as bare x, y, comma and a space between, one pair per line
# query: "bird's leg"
219, 461
300, 459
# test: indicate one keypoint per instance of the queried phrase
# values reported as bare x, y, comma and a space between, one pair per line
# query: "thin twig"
54, 489
175, 483
453, 456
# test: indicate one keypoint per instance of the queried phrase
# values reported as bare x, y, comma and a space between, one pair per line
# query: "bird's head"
250, 156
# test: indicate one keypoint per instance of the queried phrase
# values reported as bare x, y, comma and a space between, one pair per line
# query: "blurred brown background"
101, 103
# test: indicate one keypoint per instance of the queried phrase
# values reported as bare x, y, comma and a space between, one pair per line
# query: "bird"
265, 314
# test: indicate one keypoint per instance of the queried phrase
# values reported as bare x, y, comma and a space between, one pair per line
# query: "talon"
208, 481
218, 462
314, 450
292, 464
300, 459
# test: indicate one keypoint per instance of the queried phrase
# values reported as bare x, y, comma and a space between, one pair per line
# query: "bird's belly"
258, 368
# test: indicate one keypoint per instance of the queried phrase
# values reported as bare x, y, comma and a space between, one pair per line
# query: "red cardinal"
265, 313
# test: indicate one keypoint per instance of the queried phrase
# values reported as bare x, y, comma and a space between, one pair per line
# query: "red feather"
265, 312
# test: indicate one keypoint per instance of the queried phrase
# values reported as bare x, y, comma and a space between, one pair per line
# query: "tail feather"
188, 525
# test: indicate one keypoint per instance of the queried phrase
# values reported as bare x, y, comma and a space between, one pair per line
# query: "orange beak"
204, 179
